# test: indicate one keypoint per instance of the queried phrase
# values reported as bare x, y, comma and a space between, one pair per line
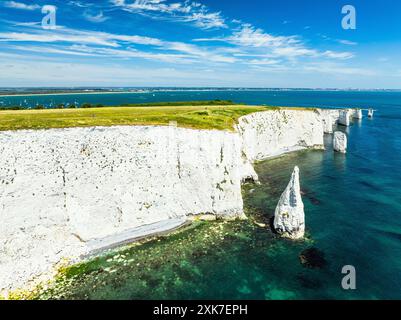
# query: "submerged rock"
344, 118
289, 217
308, 282
312, 258
340, 142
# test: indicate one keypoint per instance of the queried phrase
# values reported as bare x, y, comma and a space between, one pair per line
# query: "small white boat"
370, 113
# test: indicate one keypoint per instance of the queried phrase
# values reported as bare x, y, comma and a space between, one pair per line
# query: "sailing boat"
370, 113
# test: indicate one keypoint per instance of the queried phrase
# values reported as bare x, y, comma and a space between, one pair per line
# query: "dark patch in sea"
392, 235
271, 224
364, 170
374, 202
370, 185
311, 197
329, 177
307, 282
313, 258
360, 156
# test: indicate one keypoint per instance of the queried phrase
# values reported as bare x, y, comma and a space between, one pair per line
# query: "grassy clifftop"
213, 114
199, 117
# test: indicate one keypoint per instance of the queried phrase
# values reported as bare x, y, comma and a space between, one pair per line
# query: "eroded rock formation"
357, 114
289, 217
340, 142
344, 119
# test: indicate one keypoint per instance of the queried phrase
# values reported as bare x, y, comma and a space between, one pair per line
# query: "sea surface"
352, 206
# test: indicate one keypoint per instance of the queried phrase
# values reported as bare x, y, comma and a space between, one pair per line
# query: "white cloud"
253, 37
256, 42
20, 5
96, 18
334, 68
45, 50
206, 20
80, 4
196, 51
338, 55
347, 42
50, 37
63, 36
187, 11
264, 62
50, 73
292, 52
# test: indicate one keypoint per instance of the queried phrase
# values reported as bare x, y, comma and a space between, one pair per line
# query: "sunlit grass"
199, 117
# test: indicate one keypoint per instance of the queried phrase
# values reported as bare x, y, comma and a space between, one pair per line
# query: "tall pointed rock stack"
289, 217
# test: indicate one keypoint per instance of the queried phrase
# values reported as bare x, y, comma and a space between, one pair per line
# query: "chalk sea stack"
340, 142
357, 114
289, 217
344, 118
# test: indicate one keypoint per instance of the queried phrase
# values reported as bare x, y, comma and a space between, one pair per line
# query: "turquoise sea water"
352, 207
271, 97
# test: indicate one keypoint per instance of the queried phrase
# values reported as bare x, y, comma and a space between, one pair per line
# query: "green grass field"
199, 117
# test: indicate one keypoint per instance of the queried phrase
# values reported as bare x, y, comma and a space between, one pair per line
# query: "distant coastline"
66, 93
19, 92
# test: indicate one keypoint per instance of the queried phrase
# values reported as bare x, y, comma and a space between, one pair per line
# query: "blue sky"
237, 43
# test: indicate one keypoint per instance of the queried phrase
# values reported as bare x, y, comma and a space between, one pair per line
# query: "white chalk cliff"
329, 118
268, 134
289, 217
340, 142
67, 192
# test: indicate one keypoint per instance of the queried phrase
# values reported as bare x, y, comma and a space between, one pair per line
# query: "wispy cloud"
45, 50
255, 41
334, 68
20, 5
95, 17
192, 12
347, 42
62, 34
96, 40
79, 4
250, 36
338, 55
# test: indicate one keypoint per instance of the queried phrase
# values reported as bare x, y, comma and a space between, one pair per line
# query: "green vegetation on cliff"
203, 116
